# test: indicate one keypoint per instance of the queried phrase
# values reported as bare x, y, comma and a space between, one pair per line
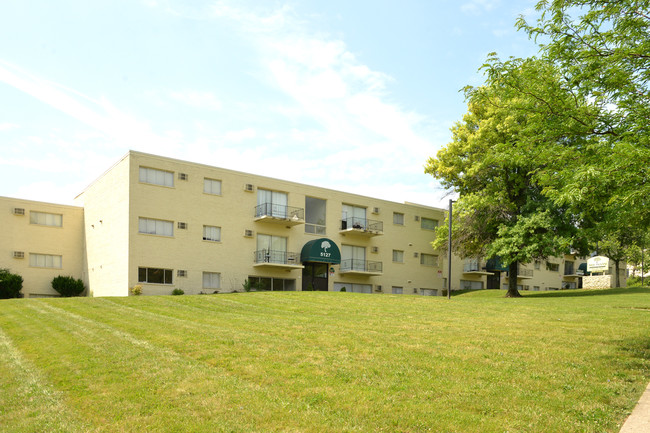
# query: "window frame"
422, 225
211, 275
150, 170
156, 221
211, 182
165, 272
397, 215
435, 259
402, 256
33, 260
34, 215
207, 239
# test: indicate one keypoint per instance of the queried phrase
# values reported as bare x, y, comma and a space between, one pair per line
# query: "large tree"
493, 163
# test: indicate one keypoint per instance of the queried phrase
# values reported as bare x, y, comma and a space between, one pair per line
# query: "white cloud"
197, 99
6, 126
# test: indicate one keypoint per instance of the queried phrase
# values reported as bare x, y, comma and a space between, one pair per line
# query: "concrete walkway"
639, 420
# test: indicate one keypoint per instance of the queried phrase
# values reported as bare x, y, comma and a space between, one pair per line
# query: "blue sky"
348, 95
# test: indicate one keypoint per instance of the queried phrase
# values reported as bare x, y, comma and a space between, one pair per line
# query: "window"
353, 258
353, 217
271, 203
398, 218
212, 233
211, 280
155, 275
537, 265
181, 273
272, 249
315, 211
212, 186
156, 227
428, 223
552, 266
355, 288
398, 290
274, 284
428, 259
45, 261
398, 256
46, 219
156, 177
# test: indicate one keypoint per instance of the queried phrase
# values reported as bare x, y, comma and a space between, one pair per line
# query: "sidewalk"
639, 420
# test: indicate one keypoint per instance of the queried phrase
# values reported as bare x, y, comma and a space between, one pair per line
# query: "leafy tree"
493, 162
10, 284
67, 286
602, 50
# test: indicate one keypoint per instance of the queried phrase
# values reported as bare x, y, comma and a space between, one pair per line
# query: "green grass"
568, 361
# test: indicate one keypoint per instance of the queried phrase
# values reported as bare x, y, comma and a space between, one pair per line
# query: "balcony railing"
525, 272
277, 257
355, 265
281, 212
473, 266
362, 224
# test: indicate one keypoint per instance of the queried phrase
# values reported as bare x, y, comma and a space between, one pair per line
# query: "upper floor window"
398, 218
45, 261
46, 219
398, 256
156, 177
552, 266
315, 215
428, 223
271, 203
212, 186
211, 233
156, 227
428, 260
353, 217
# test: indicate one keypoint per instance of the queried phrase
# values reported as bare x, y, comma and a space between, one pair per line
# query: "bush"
68, 286
177, 292
343, 289
136, 290
10, 285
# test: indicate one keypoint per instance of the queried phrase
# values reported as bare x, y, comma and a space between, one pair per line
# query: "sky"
351, 95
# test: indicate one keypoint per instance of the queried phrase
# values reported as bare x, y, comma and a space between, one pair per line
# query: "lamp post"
449, 252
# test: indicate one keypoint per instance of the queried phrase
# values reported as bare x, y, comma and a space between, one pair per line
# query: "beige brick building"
168, 224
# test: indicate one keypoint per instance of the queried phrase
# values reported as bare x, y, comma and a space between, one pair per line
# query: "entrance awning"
321, 250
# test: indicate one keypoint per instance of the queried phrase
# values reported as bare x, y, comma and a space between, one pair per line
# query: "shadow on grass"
587, 292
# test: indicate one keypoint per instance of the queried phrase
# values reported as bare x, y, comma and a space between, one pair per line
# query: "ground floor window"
211, 280
356, 288
155, 275
45, 261
429, 292
398, 290
471, 285
274, 284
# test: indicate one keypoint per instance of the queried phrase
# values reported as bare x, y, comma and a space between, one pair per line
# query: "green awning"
495, 264
583, 268
321, 250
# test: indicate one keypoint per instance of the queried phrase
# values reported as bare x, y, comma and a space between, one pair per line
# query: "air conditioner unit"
182, 226
379, 287
416, 255
19, 211
417, 218
375, 210
248, 233
248, 187
181, 273
375, 249
19, 255
183, 176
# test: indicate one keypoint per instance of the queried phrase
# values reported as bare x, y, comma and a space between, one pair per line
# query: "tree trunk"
618, 274
513, 271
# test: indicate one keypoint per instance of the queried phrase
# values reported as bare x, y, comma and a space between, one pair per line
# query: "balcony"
570, 272
279, 214
475, 267
523, 273
277, 259
361, 227
361, 267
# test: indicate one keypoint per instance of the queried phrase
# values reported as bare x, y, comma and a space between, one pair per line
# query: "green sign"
321, 250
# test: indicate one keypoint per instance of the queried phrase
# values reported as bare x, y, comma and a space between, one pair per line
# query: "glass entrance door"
314, 276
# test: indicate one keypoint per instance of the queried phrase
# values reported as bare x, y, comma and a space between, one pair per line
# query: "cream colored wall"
106, 228
17, 234
233, 211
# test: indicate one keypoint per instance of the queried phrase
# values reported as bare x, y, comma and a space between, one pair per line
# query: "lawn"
568, 361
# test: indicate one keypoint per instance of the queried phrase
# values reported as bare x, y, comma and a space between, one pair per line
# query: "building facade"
167, 224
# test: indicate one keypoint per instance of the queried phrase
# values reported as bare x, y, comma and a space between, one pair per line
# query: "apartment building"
168, 224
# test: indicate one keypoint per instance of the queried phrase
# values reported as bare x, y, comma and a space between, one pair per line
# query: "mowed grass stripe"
144, 379
28, 402
343, 362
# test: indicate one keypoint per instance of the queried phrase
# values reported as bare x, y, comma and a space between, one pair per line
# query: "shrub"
10, 285
177, 292
136, 290
67, 286
343, 289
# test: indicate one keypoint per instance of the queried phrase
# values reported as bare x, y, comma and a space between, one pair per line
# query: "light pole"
449, 252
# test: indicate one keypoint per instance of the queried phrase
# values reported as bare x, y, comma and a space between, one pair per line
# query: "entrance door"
314, 276
494, 281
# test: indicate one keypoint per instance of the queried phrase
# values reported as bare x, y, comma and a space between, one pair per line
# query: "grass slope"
569, 361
